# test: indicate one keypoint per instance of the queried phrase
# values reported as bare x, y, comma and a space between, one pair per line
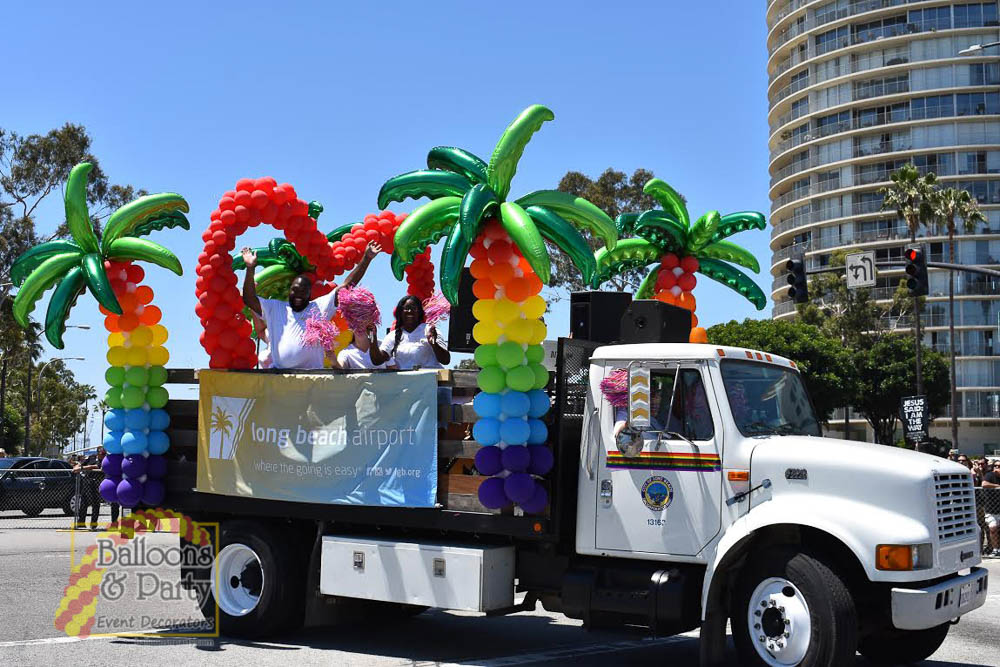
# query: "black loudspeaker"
652, 321
597, 316
461, 321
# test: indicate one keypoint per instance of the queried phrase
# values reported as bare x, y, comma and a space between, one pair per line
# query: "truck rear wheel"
902, 647
790, 608
258, 589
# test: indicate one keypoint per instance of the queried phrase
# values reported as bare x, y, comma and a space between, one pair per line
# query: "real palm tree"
670, 231
951, 204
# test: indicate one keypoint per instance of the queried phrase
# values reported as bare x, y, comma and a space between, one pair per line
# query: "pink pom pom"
436, 308
358, 307
320, 333
615, 388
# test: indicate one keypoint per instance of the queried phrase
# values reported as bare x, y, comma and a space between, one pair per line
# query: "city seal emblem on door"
657, 493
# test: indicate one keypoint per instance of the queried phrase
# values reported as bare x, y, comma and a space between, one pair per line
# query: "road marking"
49, 640
566, 653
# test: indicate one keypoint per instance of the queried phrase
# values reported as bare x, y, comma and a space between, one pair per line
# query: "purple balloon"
488, 460
129, 492
516, 458
519, 487
112, 465
491, 493
537, 503
134, 466
152, 492
541, 459
156, 466
109, 489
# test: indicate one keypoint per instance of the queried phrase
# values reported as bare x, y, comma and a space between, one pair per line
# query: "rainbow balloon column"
507, 240
136, 441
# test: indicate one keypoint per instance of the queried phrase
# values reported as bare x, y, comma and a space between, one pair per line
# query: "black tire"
832, 619
280, 604
902, 647
32, 510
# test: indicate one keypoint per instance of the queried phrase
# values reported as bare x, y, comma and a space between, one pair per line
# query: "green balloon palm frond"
280, 263
666, 230
77, 264
465, 191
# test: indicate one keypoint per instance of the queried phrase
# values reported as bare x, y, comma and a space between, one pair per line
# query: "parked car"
32, 484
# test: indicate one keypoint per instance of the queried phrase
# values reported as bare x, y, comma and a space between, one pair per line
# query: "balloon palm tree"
950, 204
136, 440
469, 207
682, 249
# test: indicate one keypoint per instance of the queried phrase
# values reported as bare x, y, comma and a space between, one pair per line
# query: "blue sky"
336, 97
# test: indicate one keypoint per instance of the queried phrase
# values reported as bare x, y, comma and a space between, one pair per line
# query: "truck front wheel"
902, 647
790, 608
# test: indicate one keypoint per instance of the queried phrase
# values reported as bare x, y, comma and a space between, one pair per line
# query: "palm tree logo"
221, 422
225, 425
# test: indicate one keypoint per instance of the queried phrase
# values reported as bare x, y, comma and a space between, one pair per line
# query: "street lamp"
976, 48
27, 397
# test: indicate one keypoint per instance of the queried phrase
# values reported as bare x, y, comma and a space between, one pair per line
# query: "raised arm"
355, 276
249, 286
441, 353
376, 353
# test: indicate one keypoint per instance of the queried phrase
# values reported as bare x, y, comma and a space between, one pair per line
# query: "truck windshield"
768, 400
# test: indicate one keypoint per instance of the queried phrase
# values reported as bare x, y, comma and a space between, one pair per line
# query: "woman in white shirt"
414, 343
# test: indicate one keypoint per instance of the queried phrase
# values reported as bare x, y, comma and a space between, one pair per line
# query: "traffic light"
916, 269
798, 290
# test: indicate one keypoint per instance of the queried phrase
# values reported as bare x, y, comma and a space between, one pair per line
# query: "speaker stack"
461, 321
597, 316
652, 321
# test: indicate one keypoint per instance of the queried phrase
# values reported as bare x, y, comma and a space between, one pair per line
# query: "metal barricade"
988, 515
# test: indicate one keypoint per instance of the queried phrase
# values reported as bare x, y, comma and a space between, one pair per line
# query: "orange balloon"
111, 323
501, 273
694, 320
666, 296
104, 311
144, 294
480, 268
128, 302
686, 300
535, 284
524, 266
484, 289
128, 321
699, 335
518, 289
150, 316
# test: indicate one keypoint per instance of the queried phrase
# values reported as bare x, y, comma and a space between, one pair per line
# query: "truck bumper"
922, 608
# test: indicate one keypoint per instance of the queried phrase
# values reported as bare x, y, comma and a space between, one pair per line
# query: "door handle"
588, 458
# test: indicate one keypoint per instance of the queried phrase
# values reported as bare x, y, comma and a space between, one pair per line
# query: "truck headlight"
903, 557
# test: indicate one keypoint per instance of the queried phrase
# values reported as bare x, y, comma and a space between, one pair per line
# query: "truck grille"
956, 506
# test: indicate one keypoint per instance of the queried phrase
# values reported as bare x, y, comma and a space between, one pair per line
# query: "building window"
832, 39
942, 164
977, 104
976, 15
887, 27
984, 74
934, 106
935, 18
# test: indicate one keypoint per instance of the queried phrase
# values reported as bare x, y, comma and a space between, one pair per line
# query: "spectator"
953, 455
3, 453
991, 500
88, 469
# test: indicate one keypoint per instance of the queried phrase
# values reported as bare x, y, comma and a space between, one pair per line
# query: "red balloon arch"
226, 336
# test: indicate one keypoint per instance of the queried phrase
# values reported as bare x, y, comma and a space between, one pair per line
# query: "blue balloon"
515, 431
539, 403
134, 442
136, 420
114, 420
113, 442
159, 420
539, 432
157, 442
486, 405
487, 431
515, 404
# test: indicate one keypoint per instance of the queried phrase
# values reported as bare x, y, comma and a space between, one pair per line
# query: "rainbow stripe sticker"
667, 461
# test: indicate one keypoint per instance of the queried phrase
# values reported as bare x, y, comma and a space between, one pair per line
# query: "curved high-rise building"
857, 88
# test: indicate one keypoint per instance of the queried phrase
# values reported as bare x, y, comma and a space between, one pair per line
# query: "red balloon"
214, 215
269, 214
266, 184
227, 204
229, 338
202, 311
665, 279
259, 199
279, 196
242, 215
214, 326
246, 347
478, 251
244, 185
227, 218
687, 282
220, 359
373, 235
350, 256
499, 251
135, 273
689, 264
669, 261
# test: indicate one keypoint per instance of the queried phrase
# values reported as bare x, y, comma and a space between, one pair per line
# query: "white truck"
721, 501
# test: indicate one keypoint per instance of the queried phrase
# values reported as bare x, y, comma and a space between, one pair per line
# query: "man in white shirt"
286, 320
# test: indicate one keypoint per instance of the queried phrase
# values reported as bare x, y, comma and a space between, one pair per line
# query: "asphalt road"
35, 565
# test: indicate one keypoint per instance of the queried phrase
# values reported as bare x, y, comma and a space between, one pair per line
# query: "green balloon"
114, 397
115, 376
541, 376
510, 354
137, 376
157, 397
486, 355
520, 378
491, 379
535, 354
157, 376
133, 397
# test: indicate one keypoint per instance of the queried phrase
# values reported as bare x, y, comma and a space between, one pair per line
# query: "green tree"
949, 205
822, 360
615, 193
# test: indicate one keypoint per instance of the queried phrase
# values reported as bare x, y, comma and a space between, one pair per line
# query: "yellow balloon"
117, 355
117, 339
506, 311
483, 309
533, 307
136, 356
141, 336
539, 332
159, 334
158, 356
519, 331
486, 333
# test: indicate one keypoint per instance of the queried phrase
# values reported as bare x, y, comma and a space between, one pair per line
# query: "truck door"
661, 491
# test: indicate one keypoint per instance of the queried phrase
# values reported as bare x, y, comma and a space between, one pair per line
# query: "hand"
372, 334
432, 335
373, 249
249, 257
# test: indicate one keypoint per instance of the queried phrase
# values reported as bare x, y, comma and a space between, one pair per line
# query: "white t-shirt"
286, 328
351, 358
413, 350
